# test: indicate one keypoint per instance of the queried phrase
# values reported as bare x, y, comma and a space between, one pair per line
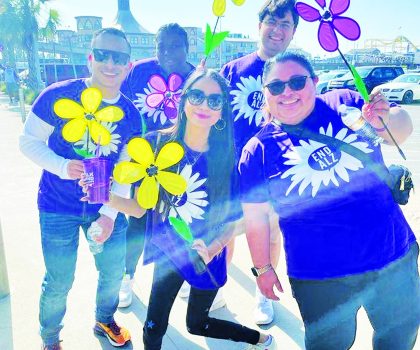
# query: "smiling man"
277, 25
61, 211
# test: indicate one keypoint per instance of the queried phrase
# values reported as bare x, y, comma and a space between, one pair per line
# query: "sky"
378, 19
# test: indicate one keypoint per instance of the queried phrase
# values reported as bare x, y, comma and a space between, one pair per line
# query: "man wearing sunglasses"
62, 214
278, 20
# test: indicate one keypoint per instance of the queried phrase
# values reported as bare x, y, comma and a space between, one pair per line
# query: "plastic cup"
98, 173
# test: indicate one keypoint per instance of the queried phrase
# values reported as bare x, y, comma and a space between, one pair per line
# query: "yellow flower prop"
151, 170
87, 116
219, 6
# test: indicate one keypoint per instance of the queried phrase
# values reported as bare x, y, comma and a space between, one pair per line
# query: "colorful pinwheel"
330, 21
213, 39
167, 95
87, 117
219, 6
151, 171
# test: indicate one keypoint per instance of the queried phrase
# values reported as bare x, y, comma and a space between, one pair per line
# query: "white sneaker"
263, 313
218, 301
272, 345
184, 291
126, 291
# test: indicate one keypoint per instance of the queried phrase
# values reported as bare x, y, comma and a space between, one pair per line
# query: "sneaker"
263, 313
218, 301
270, 344
184, 291
55, 346
126, 291
117, 336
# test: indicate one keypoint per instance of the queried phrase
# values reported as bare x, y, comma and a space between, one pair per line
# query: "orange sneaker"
117, 336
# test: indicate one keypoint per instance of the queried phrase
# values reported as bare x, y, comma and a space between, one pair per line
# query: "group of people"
262, 153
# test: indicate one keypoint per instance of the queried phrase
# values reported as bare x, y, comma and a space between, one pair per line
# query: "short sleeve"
253, 185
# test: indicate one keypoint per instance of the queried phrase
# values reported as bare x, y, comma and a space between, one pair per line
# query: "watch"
259, 271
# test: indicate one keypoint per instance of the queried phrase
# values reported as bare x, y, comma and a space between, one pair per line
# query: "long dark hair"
221, 153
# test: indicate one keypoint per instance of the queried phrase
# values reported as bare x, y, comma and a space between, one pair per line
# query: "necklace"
191, 156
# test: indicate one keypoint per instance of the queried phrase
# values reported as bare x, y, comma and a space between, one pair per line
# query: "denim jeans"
136, 231
390, 297
60, 240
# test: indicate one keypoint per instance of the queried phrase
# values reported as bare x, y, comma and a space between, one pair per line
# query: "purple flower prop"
330, 21
166, 95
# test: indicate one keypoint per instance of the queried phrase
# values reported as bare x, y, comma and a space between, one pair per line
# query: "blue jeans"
60, 240
390, 297
135, 243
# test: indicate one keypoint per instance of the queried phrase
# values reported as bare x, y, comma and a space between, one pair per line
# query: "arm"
127, 206
33, 144
396, 119
257, 228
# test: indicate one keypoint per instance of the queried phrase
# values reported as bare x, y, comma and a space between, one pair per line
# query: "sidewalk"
19, 313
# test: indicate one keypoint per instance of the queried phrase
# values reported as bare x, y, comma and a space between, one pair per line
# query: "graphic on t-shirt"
160, 99
315, 163
104, 150
248, 100
189, 205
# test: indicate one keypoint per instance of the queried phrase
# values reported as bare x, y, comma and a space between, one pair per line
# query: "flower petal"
140, 150
170, 109
337, 7
148, 192
173, 183
174, 82
347, 27
238, 2
170, 154
327, 37
158, 83
68, 109
100, 135
219, 7
73, 131
307, 12
128, 172
91, 99
110, 114
155, 99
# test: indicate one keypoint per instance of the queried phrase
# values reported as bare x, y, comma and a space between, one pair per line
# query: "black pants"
166, 283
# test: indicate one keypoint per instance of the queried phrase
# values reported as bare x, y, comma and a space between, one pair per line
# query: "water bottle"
94, 231
353, 119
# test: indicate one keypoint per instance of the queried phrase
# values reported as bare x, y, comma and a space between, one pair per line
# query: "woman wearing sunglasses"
347, 242
204, 129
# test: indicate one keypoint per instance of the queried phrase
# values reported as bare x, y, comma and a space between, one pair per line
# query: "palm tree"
48, 33
26, 27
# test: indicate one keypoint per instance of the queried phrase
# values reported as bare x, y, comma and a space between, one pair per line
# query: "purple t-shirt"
193, 207
154, 94
60, 196
337, 217
245, 77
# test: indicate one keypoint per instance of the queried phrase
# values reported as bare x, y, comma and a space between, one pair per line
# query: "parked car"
371, 75
405, 88
324, 78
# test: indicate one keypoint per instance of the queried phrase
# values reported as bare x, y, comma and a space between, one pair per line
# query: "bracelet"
379, 129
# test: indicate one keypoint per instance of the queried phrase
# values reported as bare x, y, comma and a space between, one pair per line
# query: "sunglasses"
295, 83
119, 58
196, 97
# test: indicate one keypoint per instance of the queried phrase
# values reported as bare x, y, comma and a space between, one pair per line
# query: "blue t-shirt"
155, 95
337, 217
193, 207
60, 196
245, 77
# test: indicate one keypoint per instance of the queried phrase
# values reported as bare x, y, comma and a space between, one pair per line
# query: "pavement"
20, 229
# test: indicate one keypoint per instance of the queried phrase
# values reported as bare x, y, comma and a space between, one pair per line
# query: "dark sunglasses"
196, 97
120, 58
295, 83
